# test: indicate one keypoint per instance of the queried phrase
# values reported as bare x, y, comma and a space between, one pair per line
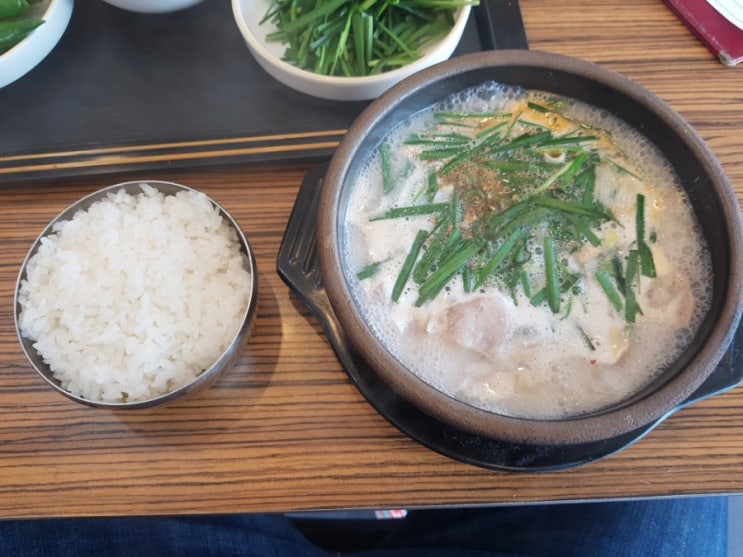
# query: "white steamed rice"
136, 296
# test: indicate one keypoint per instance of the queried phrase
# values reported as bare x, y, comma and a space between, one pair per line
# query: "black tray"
124, 91
297, 265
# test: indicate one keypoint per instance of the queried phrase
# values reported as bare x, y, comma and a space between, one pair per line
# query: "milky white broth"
496, 346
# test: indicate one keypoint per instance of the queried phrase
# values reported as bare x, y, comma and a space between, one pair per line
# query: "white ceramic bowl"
27, 54
152, 6
249, 13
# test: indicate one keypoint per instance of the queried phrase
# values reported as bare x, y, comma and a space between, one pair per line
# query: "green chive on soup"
525, 253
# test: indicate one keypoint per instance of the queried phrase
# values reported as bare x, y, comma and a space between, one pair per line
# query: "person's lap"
678, 527
669, 527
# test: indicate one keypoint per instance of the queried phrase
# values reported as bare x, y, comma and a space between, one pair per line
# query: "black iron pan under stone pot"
313, 267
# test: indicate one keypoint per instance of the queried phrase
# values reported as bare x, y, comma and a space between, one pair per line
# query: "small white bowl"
152, 6
249, 13
27, 54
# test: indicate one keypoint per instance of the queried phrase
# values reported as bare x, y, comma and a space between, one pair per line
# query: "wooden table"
286, 429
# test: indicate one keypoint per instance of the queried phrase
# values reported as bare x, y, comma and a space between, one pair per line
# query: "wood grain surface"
285, 429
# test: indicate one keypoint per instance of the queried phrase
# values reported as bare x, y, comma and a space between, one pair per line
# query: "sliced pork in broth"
526, 253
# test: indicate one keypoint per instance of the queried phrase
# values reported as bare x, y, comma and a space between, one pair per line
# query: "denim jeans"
674, 527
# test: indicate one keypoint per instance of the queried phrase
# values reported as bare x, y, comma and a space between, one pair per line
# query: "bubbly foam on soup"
627, 293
